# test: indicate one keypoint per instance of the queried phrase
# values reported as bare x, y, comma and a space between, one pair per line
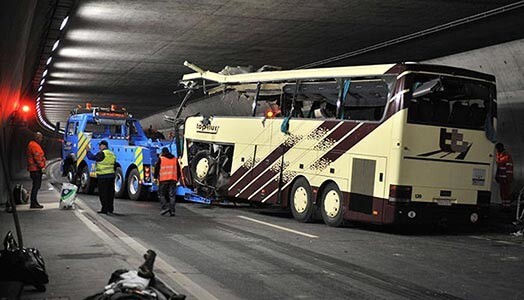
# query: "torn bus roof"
290, 75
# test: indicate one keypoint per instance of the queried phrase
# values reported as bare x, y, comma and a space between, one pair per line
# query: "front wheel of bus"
202, 169
301, 201
331, 205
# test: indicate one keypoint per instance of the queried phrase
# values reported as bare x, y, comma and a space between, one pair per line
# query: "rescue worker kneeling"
167, 171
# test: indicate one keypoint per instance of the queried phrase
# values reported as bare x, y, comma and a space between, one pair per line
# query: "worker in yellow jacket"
105, 175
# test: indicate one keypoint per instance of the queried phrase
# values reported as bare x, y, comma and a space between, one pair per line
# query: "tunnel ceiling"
130, 53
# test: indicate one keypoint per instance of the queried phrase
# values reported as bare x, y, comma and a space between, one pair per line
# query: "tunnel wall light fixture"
55, 45
64, 23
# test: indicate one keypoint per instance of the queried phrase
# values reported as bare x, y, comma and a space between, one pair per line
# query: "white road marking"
496, 240
279, 227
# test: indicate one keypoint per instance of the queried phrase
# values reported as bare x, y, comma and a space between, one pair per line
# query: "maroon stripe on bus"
262, 180
260, 168
338, 133
349, 142
270, 188
267, 161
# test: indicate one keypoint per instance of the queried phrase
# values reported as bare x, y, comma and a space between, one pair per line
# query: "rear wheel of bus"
301, 201
331, 205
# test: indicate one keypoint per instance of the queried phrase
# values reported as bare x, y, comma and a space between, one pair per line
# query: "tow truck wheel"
331, 205
70, 174
301, 201
135, 189
87, 185
120, 184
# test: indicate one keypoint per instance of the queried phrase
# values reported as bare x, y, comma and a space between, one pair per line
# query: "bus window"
447, 101
365, 99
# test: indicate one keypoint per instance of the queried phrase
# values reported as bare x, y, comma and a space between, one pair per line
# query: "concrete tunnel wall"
505, 61
15, 26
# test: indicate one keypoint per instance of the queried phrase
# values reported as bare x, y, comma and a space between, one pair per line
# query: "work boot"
36, 205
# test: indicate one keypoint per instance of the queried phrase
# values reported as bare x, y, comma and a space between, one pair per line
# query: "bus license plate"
444, 202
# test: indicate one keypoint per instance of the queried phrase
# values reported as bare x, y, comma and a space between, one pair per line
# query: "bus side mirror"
57, 127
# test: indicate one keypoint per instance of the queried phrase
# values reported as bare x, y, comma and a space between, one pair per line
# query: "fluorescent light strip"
64, 22
55, 45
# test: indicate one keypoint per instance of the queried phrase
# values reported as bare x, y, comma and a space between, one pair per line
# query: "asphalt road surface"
228, 252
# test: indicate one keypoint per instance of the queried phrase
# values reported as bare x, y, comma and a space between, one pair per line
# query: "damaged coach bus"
383, 144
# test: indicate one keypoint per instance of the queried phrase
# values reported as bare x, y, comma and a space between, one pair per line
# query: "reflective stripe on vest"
168, 168
107, 165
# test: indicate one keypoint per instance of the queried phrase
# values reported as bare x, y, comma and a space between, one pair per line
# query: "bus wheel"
301, 201
201, 166
120, 184
331, 205
135, 189
87, 185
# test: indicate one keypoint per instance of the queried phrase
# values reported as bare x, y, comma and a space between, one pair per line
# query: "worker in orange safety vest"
504, 175
36, 166
167, 172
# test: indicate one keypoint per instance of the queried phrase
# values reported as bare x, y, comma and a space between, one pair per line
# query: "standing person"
105, 174
167, 171
35, 166
504, 175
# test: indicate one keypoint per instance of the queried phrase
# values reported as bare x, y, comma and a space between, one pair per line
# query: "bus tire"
120, 184
200, 167
301, 201
331, 205
87, 184
135, 189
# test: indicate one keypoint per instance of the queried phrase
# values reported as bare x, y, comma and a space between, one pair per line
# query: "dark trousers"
106, 191
167, 195
505, 194
36, 177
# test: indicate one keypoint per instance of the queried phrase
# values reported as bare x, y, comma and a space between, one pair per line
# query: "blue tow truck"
136, 154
